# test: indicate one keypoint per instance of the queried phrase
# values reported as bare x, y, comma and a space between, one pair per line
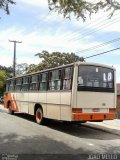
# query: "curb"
102, 128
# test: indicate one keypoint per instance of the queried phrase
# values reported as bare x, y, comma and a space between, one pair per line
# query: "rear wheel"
39, 116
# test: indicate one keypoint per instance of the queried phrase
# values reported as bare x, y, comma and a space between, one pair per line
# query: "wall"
118, 101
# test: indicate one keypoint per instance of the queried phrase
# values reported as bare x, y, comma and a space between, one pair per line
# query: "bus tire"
10, 111
39, 116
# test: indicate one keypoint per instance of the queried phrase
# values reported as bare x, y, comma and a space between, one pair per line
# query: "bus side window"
8, 86
67, 78
18, 84
11, 85
55, 80
43, 81
34, 85
26, 85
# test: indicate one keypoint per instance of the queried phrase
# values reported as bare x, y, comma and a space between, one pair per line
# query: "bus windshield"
95, 78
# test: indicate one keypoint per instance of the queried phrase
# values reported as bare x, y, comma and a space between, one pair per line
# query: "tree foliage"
3, 77
21, 69
54, 59
5, 72
4, 5
24, 68
80, 8
8, 70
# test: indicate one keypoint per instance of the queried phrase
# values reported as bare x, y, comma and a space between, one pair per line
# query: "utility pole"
14, 57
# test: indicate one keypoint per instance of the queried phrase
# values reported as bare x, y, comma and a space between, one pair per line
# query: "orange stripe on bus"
11, 98
93, 116
15, 104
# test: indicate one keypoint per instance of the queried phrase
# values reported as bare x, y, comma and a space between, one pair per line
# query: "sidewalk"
111, 126
2, 109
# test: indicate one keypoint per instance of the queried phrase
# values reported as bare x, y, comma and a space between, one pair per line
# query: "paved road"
19, 134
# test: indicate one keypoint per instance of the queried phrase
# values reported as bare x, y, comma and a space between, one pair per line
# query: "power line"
84, 34
73, 35
99, 20
69, 36
102, 53
98, 46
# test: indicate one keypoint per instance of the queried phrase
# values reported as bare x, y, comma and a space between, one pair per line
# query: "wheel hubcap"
38, 115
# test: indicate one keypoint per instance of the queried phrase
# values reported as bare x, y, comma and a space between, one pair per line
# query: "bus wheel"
39, 116
10, 111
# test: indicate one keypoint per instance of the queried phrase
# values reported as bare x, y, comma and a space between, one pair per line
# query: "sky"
32, 23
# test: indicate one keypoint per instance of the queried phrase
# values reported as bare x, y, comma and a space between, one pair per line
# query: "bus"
77, 92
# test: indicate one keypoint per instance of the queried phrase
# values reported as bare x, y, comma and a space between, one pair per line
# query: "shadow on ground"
42, 145
78, 130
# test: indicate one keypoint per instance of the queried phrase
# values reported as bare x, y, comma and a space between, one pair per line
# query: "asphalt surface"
22, 138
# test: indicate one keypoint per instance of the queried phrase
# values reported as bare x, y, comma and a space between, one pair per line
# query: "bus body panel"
31, 108
94, 106
91, 100
66, 98
66, 113
9, 98
53, 105
42, 98
24, 101
53, 111
58, 105
66, 102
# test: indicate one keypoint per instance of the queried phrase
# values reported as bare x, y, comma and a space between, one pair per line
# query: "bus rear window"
95, 78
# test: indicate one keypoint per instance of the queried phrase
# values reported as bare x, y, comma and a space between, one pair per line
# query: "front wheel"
39, 116
10, 111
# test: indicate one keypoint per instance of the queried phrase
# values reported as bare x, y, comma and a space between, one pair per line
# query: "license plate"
96, 110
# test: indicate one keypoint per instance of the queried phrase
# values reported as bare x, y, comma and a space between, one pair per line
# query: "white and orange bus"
77, 92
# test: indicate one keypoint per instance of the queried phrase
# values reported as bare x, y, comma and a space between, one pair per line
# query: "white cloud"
28, 60
6, 60
98, 23
40, 39
32, 43
35, 2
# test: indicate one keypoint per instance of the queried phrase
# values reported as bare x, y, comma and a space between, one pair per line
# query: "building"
118, 101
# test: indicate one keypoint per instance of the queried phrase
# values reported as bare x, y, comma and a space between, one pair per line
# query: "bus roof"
96, 64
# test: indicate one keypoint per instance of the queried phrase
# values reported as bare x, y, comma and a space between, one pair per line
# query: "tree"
31, 68
21, 69
8, 70
3, 77
4, 5
55, 59
80, 8
24, 68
